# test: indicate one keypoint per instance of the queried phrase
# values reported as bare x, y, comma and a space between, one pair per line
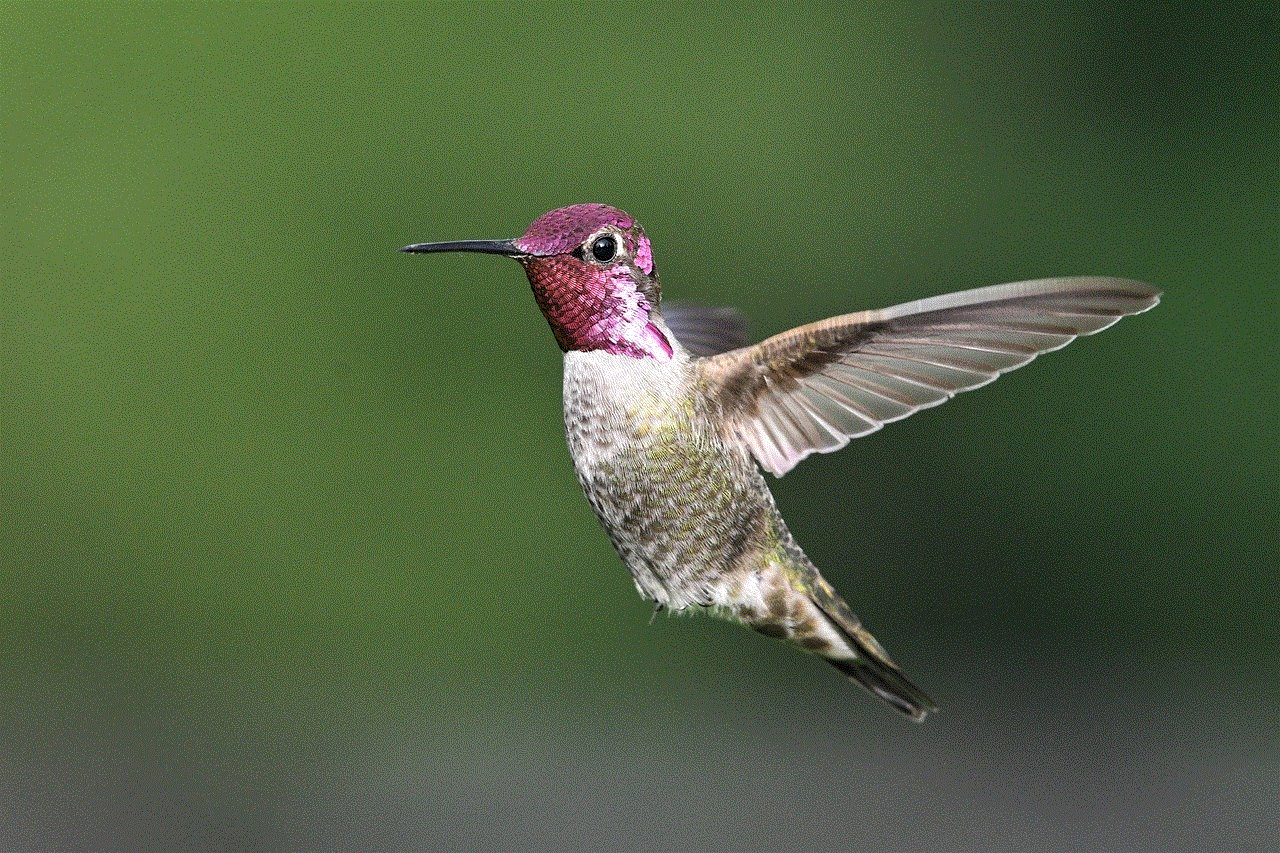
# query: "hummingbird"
670, 418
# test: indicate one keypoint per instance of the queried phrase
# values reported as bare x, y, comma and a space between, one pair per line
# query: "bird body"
691, 516
668, 445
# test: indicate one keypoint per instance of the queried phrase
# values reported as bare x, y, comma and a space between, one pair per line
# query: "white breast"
616, 404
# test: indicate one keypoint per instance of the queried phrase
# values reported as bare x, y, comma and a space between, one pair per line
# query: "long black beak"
489, 247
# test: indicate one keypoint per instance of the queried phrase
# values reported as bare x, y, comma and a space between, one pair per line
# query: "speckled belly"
684, 509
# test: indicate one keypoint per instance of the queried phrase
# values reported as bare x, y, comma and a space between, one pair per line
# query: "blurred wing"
705, 331
817, 386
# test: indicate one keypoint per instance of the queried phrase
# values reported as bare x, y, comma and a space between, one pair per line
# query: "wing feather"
705, 331
813, 388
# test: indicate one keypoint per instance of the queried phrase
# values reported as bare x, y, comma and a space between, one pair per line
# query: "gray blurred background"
293, 555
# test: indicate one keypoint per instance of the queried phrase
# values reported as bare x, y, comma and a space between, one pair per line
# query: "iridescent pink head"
591, 269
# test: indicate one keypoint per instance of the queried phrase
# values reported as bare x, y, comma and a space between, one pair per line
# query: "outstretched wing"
816, 386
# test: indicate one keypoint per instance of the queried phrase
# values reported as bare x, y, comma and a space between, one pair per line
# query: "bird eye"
604, 248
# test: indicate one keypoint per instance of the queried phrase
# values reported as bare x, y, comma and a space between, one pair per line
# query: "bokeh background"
293, 555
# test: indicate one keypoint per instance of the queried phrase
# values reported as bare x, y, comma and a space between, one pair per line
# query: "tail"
870, 666
827, 627
887, 682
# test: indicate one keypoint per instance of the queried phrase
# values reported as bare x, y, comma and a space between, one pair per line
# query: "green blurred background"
293, 554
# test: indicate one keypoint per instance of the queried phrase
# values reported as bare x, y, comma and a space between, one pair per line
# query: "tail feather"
888, 683
871, 666
801, 607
